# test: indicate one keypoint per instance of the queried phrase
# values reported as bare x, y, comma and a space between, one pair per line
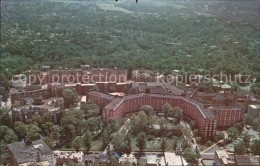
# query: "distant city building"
227, 116
146, 76
100, 99
37, 106
224, 158
84, 75
19, 81
21, 154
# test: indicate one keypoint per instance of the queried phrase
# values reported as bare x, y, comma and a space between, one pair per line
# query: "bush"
220, 136
209, 143
150, 138
169, 134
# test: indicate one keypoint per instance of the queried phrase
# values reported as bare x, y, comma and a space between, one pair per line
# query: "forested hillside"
197, 37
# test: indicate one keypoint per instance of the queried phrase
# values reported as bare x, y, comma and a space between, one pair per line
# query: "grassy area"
95, 146
153, 146
202, 147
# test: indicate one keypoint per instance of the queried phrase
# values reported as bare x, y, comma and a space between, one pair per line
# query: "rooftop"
101, 94
173, 159
255, 106
42, 147
151, 159
24, 154
225, 157
247, 160
117, 101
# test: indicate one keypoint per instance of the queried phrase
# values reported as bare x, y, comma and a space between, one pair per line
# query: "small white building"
128, 159
77, 156
171, 159
19, 81
152, 160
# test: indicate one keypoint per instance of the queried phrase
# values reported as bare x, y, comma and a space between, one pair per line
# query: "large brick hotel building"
204, 118
208, 118
209, 111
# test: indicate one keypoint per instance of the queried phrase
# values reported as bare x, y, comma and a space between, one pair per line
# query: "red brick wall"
227, 116
133, 104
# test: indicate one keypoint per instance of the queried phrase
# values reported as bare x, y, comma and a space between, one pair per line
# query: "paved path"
210, 151
110, 146
193, 144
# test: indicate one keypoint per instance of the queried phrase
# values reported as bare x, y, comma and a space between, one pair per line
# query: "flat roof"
255, 106
173, 159
101, 94
151, 159
234, 107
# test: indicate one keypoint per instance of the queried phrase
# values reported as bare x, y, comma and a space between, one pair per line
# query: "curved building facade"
203, 117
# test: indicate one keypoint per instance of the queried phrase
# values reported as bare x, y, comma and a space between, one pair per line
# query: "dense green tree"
254, 147
239, 127
5, 118
121, 146
147, 109
209, 143
20, 129
32, 133
100, 42
163, 144
90, 108
70, 97
177, 114
248, 119
76, 143
47, 128
7, 135
177, 130
246, 138
87, 138
68, 132
139, 123
167, 110
141, 141
197, 152
240, 148
220, 136
190, 156
233, 133
94, 124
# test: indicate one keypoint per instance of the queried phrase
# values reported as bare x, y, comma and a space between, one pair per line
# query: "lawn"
202, 147
95, 146
153, 146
